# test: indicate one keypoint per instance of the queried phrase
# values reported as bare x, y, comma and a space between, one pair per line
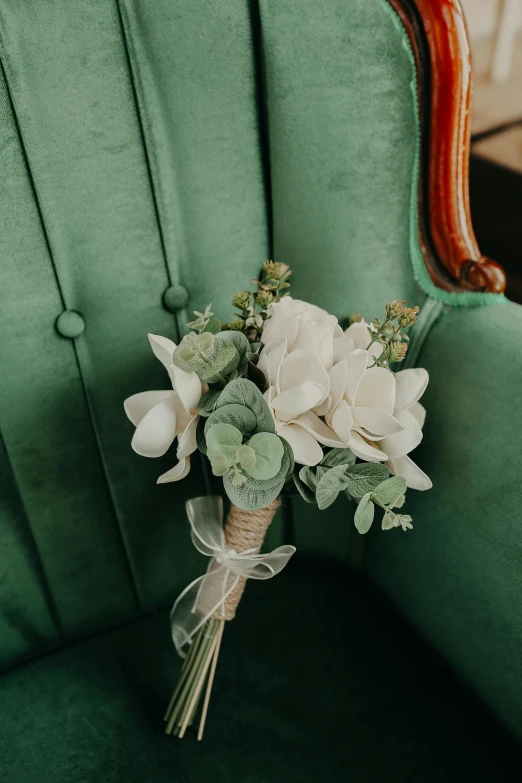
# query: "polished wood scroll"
437, 32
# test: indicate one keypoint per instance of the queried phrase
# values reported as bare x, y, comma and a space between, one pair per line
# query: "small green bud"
241, 300
220, 465
238, 479
237, 325
246, 456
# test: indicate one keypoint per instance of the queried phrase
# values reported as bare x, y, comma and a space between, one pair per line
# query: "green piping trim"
420, 272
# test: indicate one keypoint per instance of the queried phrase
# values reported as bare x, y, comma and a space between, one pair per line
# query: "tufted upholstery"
153, 155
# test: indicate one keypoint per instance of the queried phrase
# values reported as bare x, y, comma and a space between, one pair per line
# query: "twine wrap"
244, 530
234, 558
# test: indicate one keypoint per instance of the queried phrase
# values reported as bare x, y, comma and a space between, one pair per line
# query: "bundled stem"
243, 530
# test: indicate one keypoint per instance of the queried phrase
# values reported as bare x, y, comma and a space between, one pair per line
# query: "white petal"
365, 450
163, 349
299, 399
338, 377
300, 366
411, 385
321, 432
375, 422
342, 421
156, 431
176, 473
357, 363
343, 347
359, 332
187, 440
274, 360
376, 390
338, 332
262, 363
402, 443
306, 449
140, 404
324, 407
419, 411
187, 385
405, 467
316, 335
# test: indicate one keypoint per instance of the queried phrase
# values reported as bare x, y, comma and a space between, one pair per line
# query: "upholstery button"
175, 298
70, 324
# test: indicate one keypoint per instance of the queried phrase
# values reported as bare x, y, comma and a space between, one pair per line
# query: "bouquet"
280, 399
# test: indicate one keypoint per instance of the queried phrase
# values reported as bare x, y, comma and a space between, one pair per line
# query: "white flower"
356, 336
410, 385
161, 416
362, 405
284, 322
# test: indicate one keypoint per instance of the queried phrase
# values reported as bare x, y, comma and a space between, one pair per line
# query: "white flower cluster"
324, 391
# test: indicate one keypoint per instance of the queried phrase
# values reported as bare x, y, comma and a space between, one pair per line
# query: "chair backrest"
147, 146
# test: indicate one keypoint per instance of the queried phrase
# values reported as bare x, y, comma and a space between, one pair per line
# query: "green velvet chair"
153, 154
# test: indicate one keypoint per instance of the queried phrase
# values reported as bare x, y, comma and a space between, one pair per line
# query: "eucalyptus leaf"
237, 415
308, 478
244, 392
364, 477
213, 326
208, 402
289, 454
200, 435
249, 497
329, 486
281, 475
233, 339
225, 359
223, 440
269, 452
338, 457
303, 489
364, 514
391, 489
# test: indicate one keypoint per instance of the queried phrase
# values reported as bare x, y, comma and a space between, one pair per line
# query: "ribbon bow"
203, 597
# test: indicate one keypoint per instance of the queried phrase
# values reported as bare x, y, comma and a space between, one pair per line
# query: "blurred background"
495, 30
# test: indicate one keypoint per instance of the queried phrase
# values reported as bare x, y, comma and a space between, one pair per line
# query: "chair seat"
317, 681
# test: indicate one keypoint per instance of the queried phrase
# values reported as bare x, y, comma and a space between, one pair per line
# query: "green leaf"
250, 497
208, 402
269, 452
329, 486
364, 514
364, 477
244, 392
223, 440
391, 489
226, 359
213, 326
233, 339
338, 457
303, 489
238, 415
255, 375
289, 455
308, 478
200, 435
281, 475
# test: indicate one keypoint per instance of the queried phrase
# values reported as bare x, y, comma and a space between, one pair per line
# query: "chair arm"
458, 575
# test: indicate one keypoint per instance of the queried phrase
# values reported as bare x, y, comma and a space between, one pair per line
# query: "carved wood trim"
437, 31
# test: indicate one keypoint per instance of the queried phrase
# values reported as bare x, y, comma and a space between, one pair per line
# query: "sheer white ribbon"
207, 594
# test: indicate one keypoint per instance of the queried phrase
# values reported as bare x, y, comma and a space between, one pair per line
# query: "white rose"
285, 317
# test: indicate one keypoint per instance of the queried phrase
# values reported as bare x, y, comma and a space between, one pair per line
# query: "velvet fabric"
345, 693
151, 145
173, 146
457, 576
